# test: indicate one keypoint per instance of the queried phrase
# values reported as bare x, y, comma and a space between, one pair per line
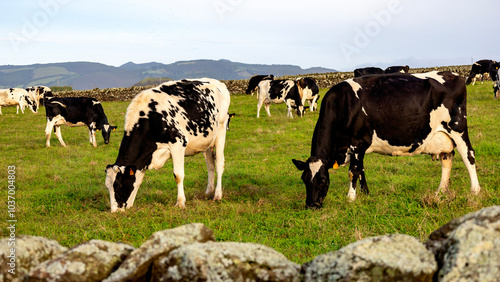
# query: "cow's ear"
113, 128
299, 164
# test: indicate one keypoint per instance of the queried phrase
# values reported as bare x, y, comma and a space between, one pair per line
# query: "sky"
341, 35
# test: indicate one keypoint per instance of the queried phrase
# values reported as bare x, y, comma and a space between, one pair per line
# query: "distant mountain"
88, 75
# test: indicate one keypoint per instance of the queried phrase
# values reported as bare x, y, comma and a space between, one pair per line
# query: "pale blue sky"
334, 34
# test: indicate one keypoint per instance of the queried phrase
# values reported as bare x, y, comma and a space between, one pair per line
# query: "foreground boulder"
30, 251
468, 248
225, 262
90, 261
384, 258
137, 264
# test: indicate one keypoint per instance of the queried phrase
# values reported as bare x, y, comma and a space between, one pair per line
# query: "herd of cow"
388, 112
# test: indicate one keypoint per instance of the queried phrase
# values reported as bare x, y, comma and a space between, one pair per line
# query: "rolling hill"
89, 75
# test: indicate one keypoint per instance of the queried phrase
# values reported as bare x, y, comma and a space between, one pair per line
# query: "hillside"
89, 75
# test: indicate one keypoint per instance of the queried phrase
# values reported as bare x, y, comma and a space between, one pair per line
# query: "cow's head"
106, 132
122, 183
317, 180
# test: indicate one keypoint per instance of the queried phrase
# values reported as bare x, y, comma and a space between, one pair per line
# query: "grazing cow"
229, 116
480, 67
40, 93
480, 77
496, 81
367, 71
254, 81
395, 114
277, 92
308, 91
19, 97
174, 120
396, 69
76, 111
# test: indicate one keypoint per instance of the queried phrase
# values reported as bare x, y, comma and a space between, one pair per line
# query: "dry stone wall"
465, 249
325, 80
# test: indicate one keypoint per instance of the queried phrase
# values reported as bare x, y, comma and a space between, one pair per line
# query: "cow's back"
404, 109
180, 111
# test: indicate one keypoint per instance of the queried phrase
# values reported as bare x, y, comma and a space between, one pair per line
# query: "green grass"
61, 193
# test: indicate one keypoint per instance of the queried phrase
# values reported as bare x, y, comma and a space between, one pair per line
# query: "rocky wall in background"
325, 80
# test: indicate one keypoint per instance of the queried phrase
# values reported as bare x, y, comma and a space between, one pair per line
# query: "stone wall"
465, 248
325, 80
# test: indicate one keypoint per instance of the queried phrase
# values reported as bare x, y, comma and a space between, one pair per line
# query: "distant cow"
277, 92
496, 80
367, 71
308, 91
76, 111
480, 67
174, 120
40, 93
254, 82
396, 69
18, 97
395, 114
229, 116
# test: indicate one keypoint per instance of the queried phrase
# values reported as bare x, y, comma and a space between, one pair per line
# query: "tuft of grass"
61, 193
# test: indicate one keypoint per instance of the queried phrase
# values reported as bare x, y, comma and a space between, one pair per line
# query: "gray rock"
30, 251
225, 261
137, 264
468, 248
90, 261
384, 258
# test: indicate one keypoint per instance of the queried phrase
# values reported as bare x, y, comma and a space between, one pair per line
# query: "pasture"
60, 192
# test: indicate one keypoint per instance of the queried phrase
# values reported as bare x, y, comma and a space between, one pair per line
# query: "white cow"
174, 120
18, 97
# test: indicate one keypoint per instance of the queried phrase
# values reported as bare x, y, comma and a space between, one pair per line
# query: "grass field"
60, 192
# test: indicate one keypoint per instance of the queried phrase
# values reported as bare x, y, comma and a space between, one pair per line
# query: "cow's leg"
48, 132
313, 104
1, 110
446, 163
362, 182
259, 105
289, 109
467, 153
210, 160
57, 129
356, 171
92, 130
267, 106
219, 159
178, 152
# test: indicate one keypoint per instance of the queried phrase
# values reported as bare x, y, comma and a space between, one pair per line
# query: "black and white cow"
367, 71
40, 93
174, 120
495, 76
254, 81
17, 97
396, 69
76, 111
308, 91
277, 92
394, 114
480, 67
